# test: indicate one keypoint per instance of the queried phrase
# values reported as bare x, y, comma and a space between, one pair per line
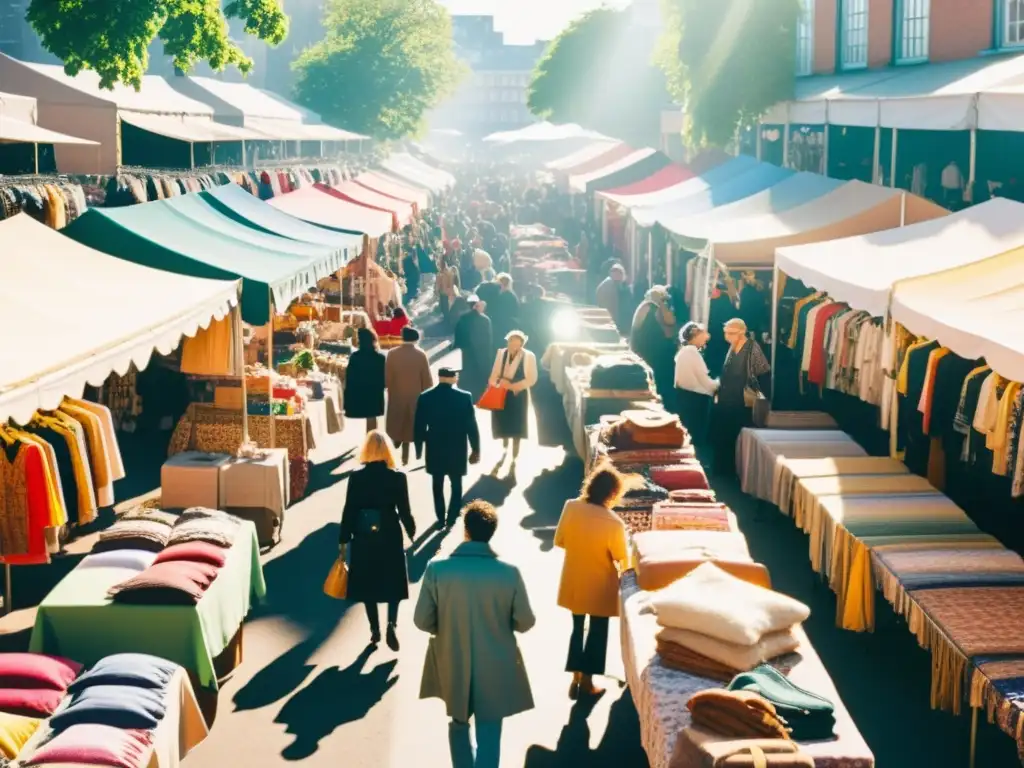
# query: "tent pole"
35, 147
774, 328
760, 145
903, 209
236, 323
892, 162
244, 163
876, 169
270, 365
972, 166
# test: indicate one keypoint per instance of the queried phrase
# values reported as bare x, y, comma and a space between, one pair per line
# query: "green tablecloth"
78, 621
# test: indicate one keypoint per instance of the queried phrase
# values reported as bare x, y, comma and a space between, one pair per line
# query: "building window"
853, 37
912, 17
805, 39
1013, 22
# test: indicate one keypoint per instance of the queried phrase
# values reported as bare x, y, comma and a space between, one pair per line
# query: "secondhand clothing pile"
717, 625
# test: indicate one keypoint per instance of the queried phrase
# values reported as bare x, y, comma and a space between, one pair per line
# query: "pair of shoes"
392, 638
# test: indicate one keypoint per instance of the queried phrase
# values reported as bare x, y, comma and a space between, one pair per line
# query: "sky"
524, 21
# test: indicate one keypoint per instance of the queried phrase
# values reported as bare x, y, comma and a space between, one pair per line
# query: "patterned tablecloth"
210, 429
757, 451
661, 694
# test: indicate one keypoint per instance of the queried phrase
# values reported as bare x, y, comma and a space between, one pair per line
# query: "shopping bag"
493, 399
336, 585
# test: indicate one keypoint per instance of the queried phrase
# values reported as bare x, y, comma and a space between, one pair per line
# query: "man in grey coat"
472, 604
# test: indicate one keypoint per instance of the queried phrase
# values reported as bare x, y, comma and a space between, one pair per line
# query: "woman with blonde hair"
376, 510
594, 539
515, 370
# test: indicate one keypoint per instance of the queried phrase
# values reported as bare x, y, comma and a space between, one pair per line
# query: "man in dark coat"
474, 337
446, 426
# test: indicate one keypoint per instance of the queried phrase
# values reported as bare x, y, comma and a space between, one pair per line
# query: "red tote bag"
493, 399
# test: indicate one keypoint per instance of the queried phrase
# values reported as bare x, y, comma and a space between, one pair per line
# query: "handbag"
493, 399
336, 585
754, 399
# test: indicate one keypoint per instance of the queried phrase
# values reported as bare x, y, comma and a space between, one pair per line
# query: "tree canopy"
112, 37
599, 72
728, 61
382, 65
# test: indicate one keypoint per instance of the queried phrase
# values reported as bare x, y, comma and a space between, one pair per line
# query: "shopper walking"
473, 604
746, 376
407, 375
473, 336
376, 511
514, 370
445, 424
695, 389
365, 380
594, 540
503, 309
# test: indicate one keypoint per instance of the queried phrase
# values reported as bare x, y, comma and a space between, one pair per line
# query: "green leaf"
728, 61
381, 66
112, 37
599, 72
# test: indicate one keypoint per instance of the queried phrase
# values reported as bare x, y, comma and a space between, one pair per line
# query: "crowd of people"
472, 603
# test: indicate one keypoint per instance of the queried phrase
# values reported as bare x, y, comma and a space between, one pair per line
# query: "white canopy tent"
861, 271
113, 313
542, 132
587, 153
975, 310
578, 184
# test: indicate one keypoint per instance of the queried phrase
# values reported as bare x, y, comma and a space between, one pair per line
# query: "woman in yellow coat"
594, 539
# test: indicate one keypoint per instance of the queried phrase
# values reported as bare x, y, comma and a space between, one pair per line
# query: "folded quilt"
682, 659
739, 714
720, 605
739, 657
173, 583
147, 535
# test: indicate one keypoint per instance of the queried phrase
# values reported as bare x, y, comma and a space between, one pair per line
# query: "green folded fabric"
810, 716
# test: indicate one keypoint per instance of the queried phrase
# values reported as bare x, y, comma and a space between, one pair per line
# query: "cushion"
15, 731
211, 526
692, 496
672, 516
153, 514
174, 583
718, 604
685, 476
129, 533
122, 706
135, 559
663, 557
138, 669
31, 702
37, 670
196, 552
740, 657
95, 745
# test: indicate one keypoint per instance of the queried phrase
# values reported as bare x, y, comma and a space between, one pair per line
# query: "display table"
77, 619
210, 429
181, 730
258, 490
788, 472
800, 420
758, 449
333, 394
661, 694
584, 407
557, 359
192, 479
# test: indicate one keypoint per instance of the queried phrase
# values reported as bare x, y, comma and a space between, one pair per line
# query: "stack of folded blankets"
663, 557
637, 503
644, 430
32, 687
110, 715
692, 511
621, 373
146, 530
716, 625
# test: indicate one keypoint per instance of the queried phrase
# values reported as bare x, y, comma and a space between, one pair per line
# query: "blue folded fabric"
118, 706
139, 670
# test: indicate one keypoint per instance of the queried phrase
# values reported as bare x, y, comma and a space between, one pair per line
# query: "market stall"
381, 184
401, 213
582, 155
586, 181
333, 213
406, 166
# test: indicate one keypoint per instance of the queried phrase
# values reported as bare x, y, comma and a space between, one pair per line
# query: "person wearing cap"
407, 376
746, 375
695, 388
474, 339
445, 425
515, 370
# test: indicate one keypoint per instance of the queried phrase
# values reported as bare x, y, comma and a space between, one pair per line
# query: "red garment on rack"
816, 368
31, 463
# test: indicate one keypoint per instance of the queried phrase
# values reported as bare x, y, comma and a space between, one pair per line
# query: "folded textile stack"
644, 429
32, 686
178, 582
625, 372
636, 505
202, 524
692, 496
148, 532
673, 515
637, 460
740, 714
663, 557
809, 716
723, 619
684, 476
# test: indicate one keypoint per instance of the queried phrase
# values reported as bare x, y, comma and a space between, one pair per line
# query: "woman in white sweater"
695, 389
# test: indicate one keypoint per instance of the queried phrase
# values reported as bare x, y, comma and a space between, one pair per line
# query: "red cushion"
685, 476
37, 670
95, 745
30, 702
179, 582
693, 496
194, 551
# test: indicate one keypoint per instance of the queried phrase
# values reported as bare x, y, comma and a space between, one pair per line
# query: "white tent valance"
861, 271
191, 129
112, 313
976, 310
19, 132
579, 183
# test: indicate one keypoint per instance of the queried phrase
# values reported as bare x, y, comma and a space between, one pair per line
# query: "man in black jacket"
446, 425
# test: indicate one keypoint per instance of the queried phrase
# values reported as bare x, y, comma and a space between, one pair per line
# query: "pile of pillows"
110, 714
716, 625
32, 687
178, 572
